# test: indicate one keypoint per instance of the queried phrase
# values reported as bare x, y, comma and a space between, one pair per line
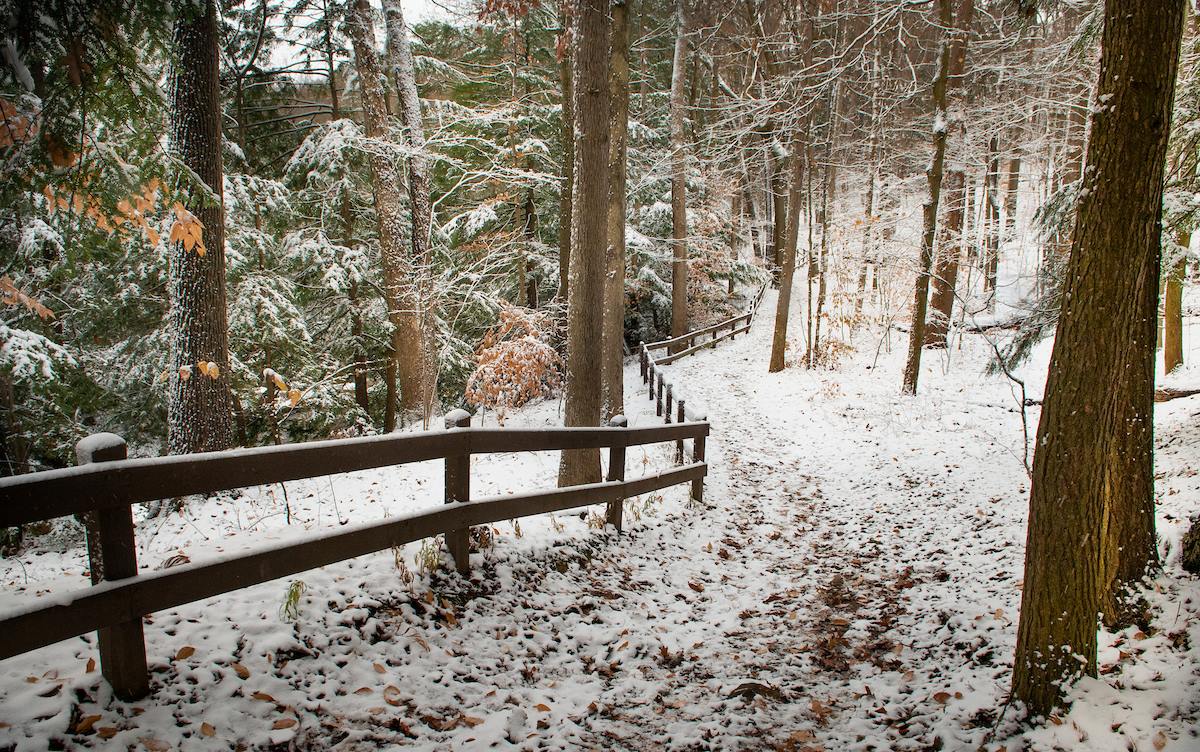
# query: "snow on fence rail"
105, 484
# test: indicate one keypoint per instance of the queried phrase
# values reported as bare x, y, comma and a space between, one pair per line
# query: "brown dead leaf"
241, 671
185, 652
379, 669
91, 666
363, 691
107, 732
85, 724
1159, 741
207, 729
283, 723
699, 588
471, 721
391, 695
154, 745
941, 697
263, 696
542, 707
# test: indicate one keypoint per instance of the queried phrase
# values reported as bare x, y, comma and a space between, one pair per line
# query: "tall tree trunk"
567, 188
614, 284
946, 68
1091, 502
199, 416
1173, 310
945, 276
787, 272
400, 290
679, 226
585, 319
405, 80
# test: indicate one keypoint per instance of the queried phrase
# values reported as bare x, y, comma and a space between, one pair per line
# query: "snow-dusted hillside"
851, 582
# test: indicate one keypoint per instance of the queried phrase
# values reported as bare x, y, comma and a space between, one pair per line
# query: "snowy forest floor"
851, 581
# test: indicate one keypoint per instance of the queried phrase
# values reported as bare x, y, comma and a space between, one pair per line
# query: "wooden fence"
663, 394
105, 485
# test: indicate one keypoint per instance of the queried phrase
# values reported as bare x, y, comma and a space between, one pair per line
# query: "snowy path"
850, 583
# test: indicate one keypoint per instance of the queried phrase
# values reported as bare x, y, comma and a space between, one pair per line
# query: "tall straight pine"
589, 236
1091, 505
199, 416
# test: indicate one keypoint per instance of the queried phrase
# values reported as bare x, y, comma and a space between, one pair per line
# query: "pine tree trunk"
405, 80
787, 271
585, 319
400, 291
567, 188
199, 416
1091, 503
1173, 311
613, 402
945, 276
916, 334
679, 226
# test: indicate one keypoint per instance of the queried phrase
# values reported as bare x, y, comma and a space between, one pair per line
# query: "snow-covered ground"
851, 582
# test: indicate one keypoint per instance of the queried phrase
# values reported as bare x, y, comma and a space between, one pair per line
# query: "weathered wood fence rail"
105, 485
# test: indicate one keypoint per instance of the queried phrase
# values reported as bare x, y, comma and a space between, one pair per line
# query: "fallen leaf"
85, 724
91, 665
207, 729
154, 745
472, 721
1159, 741
696, 586
241, 671
185, 652
379, 669
283, 723
391, 695
263, 696
542, 707
942, 697
363, 691
107, 732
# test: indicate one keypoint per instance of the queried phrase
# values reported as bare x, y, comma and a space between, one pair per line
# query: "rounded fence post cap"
100, 447
458, 418
619, 421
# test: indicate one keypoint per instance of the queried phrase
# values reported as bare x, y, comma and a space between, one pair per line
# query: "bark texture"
1091, 503
568, 165
788, 269
1173, 312
916, 334
945, 276
199, 416
400, 292
589, 239
679, 228
405, 80
613, 400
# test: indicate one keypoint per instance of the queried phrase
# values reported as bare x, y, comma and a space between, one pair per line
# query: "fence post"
644, 359
650, 381
698, 456
679, 444
616, 471
458, 489
659, 405
112, 555
667, 413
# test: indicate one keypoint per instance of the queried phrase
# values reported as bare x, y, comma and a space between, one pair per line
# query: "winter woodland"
897, 295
